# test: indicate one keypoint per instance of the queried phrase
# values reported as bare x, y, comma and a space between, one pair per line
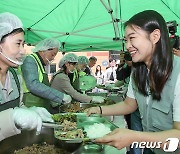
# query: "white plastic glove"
98, 99
27, 119
43, 113
67, 99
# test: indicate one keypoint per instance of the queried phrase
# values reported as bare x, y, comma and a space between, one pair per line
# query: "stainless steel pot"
27, 138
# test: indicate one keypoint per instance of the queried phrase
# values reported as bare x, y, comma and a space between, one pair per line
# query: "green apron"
31, 99
76, 83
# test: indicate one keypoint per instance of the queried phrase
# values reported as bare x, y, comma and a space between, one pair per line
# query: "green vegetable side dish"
61, 117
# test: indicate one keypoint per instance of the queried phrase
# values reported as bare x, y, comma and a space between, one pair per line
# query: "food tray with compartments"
83, 121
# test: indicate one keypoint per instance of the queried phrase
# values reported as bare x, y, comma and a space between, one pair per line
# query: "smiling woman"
154, 86
12, 117
12, 47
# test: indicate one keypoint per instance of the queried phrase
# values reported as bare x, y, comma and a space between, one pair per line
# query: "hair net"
49, 43
70, 57
83, 60
9, 22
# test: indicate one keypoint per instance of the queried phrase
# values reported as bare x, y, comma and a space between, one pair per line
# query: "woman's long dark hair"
15, 31
63, 69
162, 59
97, 70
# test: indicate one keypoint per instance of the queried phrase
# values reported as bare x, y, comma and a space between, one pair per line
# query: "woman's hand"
119, 138
92, 110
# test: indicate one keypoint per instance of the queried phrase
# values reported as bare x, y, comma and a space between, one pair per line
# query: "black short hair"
93, 58
111, 59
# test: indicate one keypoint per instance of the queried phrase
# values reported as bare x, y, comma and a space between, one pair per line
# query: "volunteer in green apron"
79, 71
14, 116
37, 90
61, 81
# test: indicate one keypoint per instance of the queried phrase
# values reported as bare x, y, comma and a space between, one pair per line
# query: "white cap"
49, 43
9, 22
70, 57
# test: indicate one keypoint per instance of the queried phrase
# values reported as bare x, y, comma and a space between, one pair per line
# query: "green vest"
75, 82
77, 74
40, 71
158, 115
31, 99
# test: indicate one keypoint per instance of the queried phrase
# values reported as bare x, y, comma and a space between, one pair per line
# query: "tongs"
52, 125
79, 140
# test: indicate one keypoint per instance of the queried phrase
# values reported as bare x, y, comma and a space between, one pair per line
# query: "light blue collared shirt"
9, 91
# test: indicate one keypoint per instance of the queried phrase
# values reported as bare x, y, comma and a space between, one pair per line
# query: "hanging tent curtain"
84, 25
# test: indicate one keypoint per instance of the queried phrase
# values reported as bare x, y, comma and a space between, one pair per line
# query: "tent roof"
84, 24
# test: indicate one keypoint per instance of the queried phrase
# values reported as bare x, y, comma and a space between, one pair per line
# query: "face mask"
49, 62
17, 62
71, 71
47, 69
83, 69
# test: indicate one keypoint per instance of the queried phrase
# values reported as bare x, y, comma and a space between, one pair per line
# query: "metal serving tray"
79, 106
84, 121
103, 94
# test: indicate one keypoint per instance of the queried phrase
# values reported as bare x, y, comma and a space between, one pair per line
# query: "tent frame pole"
114, 21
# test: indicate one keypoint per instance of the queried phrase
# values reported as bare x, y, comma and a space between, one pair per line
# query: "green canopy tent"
84, 24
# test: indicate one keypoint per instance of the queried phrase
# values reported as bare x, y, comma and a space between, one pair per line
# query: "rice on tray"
97, 130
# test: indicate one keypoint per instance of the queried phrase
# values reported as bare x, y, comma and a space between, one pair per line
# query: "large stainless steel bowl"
27, 138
